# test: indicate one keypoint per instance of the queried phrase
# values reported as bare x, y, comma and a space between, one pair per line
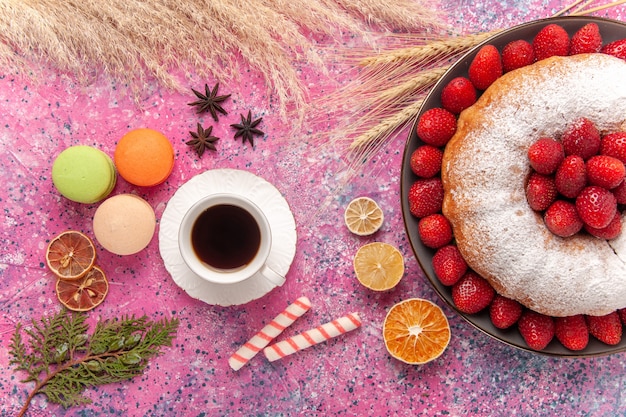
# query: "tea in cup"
226, 238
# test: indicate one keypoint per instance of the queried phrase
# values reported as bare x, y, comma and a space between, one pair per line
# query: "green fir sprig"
63, 360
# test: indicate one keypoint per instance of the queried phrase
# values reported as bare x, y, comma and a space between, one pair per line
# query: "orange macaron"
144, 157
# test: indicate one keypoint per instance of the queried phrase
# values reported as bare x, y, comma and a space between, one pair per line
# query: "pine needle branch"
63, 360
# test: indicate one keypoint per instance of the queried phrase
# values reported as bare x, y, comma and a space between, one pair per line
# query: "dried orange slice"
363, 216
378, 266
71, 255
416, 331
85, 293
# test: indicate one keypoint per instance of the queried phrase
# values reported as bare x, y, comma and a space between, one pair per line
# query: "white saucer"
260, 192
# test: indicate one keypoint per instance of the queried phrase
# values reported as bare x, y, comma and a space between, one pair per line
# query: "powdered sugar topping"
485, 169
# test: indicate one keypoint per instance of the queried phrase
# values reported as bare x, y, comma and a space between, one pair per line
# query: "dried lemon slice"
85, 293
416, 331
70, 255
378, 266
363, 216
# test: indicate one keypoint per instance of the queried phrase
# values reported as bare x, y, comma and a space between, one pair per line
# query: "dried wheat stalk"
392, 85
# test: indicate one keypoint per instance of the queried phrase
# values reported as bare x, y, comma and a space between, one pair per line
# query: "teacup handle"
272, 276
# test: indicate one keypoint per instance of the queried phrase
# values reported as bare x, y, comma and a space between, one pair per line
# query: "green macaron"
84, 174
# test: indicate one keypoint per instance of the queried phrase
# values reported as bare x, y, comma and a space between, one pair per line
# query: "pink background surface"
350, 375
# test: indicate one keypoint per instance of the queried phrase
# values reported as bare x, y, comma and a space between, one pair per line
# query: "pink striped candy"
269, 332
312, 337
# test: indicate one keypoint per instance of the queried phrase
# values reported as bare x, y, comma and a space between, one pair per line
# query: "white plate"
260, 192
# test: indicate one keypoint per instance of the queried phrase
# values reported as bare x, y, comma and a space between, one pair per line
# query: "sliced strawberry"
616, 49
504, 312
426, 197
472, 293
449, 265
458, 95
545, 155
582, 138
605, 171
517, 54
435, 230
611, 231
541, 191
614, 144
536, 329
552, 40
596, 206
436, 126
586, 40
562, 219
607, 329
572, 331
486, 67
425, 161
571, 176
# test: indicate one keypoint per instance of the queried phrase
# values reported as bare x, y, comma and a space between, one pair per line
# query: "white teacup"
225, 239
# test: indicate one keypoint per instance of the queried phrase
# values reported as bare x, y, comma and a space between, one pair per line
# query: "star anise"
202, 140
247, 128
209, 101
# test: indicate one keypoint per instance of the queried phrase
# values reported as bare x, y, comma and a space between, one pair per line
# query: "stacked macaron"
84, 174
123, 224
144, 157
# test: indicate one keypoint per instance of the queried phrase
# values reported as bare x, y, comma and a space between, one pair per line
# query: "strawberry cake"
485, 170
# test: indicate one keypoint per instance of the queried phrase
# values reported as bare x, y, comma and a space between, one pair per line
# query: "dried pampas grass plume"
134, 41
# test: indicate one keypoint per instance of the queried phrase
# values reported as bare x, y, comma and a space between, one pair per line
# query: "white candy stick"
269, 332
312, 337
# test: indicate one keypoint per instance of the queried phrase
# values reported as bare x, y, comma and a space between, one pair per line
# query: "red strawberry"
605, 171
596, 206
435, 231
609, 232
562, 219
622, 315
517, 54
536, 329
426, 197
620, 193
614, 145
607, 329
472, 293
458, 95
571, 176
582, 138
550, 41
540, 191
572, 331
449, 265
586, 40
426, 161
616, 48
545, 155
504, 312
486, 67
436, 126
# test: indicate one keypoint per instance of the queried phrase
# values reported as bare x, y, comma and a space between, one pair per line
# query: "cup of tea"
226, 238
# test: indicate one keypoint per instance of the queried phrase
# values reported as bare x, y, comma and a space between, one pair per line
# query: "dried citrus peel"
363, 216
379, 266
70, 255
416, 331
